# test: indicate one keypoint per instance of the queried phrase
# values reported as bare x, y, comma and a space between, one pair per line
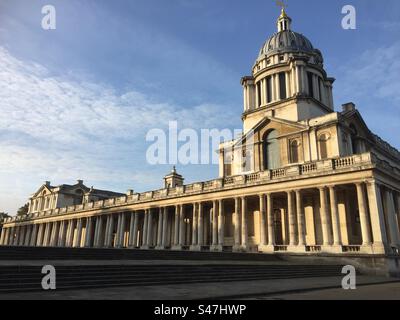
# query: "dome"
286, 41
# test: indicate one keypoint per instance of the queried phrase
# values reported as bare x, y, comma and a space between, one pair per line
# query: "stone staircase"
215, 267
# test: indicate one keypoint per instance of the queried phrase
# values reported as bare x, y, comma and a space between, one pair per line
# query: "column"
300, 219
194, 225
28, 235
215, 224
392, 223
244, 222
377, 217
120, 230
364, 220
176, 225
160, 227
109, 231
71, 233
337, 237
221, 224
78, 239
181, 226
200, 236
237, 223
54, 234
89, 231
292, 219
270, 220
33, 240
263, 235
326, 233
133, 229
40, 235
150, 228
3, 232
62, 234
165, 228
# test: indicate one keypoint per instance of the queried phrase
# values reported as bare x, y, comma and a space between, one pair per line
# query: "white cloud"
61, 129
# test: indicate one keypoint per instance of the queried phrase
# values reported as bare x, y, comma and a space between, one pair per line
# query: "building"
312, 181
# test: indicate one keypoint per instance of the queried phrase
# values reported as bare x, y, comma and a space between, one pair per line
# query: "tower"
288, 79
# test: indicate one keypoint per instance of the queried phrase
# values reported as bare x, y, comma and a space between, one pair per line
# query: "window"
271, 151
310, 84
228, 159
259, 94
354, 139
282, 85
247, 156
323, 146
269, 89
320, 89
294, 151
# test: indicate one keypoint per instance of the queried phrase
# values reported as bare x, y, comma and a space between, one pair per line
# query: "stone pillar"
78, 239
145, 228
28, 235
40, 235
194, 225
263, 234
133, 229
364, 219
160, 227
215, 224
176, 226
54, 233
326, 232
62, 234
301, 223
182, 229
200, 236
270, 222
337, 237
45, 234
89, 231
120, 230
237, 225
70, 233
33, 242
244, 224
391, 216
97, 231
292, 220
377, 218
221, 224
3, 233
164, 242
150, 228
110, 231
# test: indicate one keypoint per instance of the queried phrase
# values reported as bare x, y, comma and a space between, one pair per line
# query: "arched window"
294, 151
323, 146
272, 155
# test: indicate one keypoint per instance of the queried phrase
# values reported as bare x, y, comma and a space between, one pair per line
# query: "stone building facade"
312, 181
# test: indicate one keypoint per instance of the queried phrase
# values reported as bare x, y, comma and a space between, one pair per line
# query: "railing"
351, 248
280, 248
227, 182
313, 248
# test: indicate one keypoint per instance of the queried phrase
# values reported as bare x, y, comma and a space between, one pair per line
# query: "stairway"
25, 273
28, 278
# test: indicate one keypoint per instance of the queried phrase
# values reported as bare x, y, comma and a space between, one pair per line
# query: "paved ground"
387, 291
259, 289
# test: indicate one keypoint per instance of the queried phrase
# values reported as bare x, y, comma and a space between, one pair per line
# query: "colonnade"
200, 225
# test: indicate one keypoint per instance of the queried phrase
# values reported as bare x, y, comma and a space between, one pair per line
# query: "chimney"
47, 183
80, 181
129, 192
349, 106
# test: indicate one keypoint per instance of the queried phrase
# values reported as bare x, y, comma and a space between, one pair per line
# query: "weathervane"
281, 4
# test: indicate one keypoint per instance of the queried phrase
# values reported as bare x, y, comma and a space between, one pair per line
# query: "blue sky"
76, 102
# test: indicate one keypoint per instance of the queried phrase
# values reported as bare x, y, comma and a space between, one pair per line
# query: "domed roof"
284, 41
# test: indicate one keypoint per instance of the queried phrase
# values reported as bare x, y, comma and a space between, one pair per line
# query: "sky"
76, 102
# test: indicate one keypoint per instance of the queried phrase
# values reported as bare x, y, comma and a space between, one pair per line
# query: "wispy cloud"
60, 128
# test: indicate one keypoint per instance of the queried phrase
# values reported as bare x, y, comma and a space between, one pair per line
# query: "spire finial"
283, 20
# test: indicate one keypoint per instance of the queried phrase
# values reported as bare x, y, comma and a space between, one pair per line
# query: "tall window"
354, 142
294, 151
323, 146
259, 93
269, 89
310, 84
271, 151
282, 85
